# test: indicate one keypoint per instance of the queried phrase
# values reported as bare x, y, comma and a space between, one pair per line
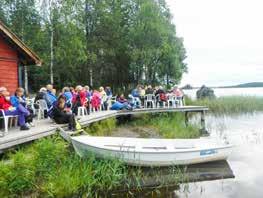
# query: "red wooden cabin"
14, 54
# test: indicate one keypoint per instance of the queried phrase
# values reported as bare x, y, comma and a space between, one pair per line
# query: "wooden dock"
46, 127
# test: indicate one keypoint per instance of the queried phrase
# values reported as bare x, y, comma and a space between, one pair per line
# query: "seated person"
88, 92
51, 97
61, 115
18, 101
136, 97
121, 104
149, 90
96, 100
160, 95
104, 99
178, 93
142, 93
5, 105
66, 92
122, 99
135, 92
41, 95
108, 92
72, 90
79, 99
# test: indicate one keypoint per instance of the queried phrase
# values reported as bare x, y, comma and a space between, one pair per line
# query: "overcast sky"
223, 40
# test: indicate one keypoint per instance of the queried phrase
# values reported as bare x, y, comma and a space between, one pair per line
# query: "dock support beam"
186, 119
203, 127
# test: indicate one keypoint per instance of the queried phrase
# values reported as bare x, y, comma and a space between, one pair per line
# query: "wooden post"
186, 119
26, 80
203, 127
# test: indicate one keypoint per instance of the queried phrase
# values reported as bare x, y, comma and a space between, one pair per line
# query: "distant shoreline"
245, 85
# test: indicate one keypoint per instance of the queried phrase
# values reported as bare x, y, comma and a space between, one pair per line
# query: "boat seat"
155, 147
120, 146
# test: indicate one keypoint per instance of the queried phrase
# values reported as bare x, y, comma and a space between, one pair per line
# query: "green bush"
102, 128
17, 175
168, 125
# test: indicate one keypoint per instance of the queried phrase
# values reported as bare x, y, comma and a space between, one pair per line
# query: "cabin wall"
8, 66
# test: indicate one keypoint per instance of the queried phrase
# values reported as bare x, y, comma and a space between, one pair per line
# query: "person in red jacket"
79, 99
8, 109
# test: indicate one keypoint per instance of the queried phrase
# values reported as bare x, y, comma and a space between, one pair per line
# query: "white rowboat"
152, 152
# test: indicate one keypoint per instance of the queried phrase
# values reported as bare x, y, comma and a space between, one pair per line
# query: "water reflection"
246, 133
163, 182
241, 176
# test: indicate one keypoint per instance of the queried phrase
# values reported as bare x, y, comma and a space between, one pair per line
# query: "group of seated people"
141, 93
15, 105
63, 107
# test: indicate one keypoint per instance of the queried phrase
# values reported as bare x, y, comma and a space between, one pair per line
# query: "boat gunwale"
155, 152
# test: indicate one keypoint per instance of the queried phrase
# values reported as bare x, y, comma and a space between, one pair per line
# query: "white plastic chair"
180, 102
149, 98
82, 111
30, 104
158, 102
135, 100
42, 107
172, 100
8, 121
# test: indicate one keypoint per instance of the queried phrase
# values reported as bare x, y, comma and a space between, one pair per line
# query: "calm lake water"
230, 92
245, 164
246, 133
246, 161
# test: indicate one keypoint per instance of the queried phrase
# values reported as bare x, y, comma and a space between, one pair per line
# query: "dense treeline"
98, 42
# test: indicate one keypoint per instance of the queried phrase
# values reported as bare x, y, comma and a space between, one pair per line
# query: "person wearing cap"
6, 105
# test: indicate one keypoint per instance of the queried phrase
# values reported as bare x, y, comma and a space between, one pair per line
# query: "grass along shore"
167, 125
50, 167
230, 105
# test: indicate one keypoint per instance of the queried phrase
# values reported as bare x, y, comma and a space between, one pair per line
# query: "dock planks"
46, 127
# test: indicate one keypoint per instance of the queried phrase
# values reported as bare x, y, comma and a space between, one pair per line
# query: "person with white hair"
42, 95
10, 110
103, 99
79, 99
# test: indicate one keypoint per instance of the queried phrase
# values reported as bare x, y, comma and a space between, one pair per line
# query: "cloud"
223, 40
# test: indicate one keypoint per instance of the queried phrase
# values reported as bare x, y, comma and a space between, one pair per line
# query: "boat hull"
155, 158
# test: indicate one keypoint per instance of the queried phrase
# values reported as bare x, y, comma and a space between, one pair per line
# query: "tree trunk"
51, 55
88, 27
51, 43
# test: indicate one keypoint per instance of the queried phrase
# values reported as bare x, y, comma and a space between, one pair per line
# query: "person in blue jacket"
51, 97
136, 97
19, 102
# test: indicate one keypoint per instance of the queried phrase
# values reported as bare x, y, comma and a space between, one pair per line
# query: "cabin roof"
26, 55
